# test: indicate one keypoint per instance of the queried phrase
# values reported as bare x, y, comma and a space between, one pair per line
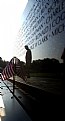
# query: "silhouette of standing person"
28, 59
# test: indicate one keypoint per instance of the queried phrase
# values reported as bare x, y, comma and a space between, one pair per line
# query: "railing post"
14, 75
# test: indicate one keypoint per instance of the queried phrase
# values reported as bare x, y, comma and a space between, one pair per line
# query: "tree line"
38, 66
46, 65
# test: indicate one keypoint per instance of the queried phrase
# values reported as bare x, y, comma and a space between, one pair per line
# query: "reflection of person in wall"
28, 59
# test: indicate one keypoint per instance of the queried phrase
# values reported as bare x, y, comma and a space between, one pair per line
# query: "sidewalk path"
13, 111
23, 107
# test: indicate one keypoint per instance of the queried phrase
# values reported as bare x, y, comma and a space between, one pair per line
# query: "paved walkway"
10, 109
23, 107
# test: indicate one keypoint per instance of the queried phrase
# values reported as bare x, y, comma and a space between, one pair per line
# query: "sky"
10, 22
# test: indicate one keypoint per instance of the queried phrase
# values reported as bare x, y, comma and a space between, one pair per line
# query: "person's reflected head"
26, 47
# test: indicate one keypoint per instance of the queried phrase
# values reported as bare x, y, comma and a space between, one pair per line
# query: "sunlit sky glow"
10, 22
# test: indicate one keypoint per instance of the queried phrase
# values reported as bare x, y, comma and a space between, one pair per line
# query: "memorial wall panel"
42, 29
